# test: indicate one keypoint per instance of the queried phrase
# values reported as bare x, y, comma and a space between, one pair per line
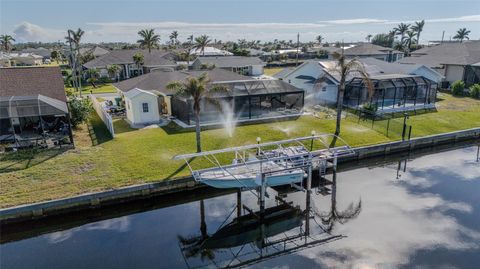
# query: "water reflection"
417, 212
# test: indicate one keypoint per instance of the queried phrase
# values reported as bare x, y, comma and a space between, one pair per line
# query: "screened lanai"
392, 93
244, 100
33, 120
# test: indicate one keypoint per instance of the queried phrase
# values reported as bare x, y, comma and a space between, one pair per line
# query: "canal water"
413, 212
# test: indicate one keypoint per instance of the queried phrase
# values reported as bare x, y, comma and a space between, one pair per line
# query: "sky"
339, 20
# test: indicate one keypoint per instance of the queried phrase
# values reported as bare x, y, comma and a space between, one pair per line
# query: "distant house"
95, 51
249, 66
20, 59
147, 98
397, 86
45, 53
456, 61
124, 58
367, 50
210, 51
33, 107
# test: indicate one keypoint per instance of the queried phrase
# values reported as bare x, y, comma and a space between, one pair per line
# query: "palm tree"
114, 71
319, 38
195, 88
174, 38
93, 75
462, 34
74, 38
6, 41
418, 28
368, 37
148, 39
401, 30
334, 216
138, 59
346, 68
201, 42
190, 39
409, 39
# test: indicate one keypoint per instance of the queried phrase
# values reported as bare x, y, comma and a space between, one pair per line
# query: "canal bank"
146, 191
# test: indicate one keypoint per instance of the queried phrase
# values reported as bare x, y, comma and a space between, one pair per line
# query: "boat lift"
263, 161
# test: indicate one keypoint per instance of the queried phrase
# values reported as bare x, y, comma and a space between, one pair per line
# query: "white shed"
141, 107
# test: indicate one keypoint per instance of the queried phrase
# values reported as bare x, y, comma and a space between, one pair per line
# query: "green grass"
138, 156
272, 71
101, 88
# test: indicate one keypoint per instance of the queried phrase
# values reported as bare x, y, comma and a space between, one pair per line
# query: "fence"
106, 118
394, 126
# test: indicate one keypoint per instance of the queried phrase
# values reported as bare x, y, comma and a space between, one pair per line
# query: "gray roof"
237, 84
464, 53
369, 49
45, 53
230, 61
154, 58
96, 51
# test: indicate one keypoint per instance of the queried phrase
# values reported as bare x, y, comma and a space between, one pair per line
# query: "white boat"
247, 176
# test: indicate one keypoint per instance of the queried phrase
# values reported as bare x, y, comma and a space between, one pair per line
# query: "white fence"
106, 118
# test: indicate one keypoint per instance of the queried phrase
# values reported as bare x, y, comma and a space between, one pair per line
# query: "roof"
369, 49
31, 81
210, 51
46, 53
238, 84
15, 55
230, 61
153, 58
136, 91
96, 51
464, 53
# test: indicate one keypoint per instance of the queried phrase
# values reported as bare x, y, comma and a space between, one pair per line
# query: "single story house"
368, 50
95, 51
33, 107
249, 66
210, 51
45, 53
147, 98
454, 60
395, 84
124, 58
20, 59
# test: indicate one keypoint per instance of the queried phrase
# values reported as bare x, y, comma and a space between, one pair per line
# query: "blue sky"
108, 20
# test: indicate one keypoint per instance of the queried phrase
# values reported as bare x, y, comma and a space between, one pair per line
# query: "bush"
475, 91
370, 107
458, 87
80, 110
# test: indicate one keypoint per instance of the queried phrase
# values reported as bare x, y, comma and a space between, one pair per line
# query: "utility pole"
298, 45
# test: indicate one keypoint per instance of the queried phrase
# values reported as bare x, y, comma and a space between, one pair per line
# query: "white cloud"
25, 32
472, 18
355, 21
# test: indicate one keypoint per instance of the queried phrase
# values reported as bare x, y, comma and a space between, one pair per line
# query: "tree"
384, 40
319, 38
346, 68
462, 34
56, 55
174, 38
138, 59
368, 37
401, 30
418, 28
6, 41
93, 75
114, 71
148, 39
408, 40
74, 38
80, 109
197, 89
201, 43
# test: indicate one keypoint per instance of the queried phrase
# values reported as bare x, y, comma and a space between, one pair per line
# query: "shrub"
458, 87
80, 110
370, 107
475, 91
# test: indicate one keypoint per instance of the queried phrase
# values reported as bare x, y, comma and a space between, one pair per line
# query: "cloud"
472, 18
355, 21
28, 32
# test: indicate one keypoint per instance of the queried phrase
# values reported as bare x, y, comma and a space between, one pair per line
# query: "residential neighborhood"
239, 134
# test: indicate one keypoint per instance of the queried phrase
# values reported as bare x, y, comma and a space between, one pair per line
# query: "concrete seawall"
144, 191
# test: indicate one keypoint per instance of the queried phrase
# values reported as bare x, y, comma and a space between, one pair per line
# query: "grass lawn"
138, 156
272, 71
101, 88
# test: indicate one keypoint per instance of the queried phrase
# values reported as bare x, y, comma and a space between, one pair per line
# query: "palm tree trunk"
341, 91
203, 224
197, 130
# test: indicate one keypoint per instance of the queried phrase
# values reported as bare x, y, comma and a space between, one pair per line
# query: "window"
145, 107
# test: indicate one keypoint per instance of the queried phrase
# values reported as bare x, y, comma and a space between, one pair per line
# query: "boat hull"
273, 180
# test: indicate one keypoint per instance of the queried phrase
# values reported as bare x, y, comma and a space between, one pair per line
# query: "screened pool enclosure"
392, 93
243, 100
34, 120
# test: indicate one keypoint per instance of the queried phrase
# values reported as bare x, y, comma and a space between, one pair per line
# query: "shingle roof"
464, 53
96, 51
369, 49
29, 81
154, 58
230, 61
158, 80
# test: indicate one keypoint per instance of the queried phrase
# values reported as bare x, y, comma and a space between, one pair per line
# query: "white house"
249, 66
142, 107
210, 51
